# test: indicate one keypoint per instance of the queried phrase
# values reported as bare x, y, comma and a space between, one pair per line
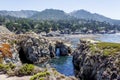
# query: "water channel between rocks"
64, 64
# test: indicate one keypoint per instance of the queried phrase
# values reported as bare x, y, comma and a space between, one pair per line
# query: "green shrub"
26, 69
6, 67
11, 65
10, 73
106, 48
40, 76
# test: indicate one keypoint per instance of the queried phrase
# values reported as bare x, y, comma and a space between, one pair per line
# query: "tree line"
22, 25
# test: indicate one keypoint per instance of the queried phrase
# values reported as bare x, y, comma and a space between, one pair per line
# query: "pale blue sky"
109, 8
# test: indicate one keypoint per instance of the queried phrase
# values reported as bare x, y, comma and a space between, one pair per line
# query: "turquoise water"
64, 64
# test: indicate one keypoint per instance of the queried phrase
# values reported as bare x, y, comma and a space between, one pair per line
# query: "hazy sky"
109, 8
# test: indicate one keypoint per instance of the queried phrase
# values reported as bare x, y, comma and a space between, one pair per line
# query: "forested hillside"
22, 25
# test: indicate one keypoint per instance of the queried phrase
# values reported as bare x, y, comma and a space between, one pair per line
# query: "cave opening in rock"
23, 57
57, 51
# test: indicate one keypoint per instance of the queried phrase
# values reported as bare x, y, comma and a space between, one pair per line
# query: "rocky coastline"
92, 60
30, 48
95, 60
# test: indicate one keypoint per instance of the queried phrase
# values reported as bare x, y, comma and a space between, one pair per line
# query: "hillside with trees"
74, 26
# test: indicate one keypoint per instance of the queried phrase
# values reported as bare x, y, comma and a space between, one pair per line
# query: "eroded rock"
35, 48
97, 61
64, 49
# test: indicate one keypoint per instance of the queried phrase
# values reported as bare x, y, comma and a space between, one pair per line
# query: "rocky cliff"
29, 48
97, 60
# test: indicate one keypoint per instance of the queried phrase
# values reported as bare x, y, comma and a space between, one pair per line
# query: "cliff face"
97, 60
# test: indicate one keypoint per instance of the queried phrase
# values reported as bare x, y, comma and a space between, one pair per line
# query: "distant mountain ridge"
51, 14
54, 14
83, 14
19, 14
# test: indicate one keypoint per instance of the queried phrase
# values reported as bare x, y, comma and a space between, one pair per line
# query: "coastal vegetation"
105, 48
40, 76
95, 60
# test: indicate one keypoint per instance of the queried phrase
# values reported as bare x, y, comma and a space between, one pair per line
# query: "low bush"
40, 76
26, 69
6, 67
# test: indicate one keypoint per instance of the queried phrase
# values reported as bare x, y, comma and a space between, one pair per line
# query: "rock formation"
35, 49
30, 48
64, 50
97, 61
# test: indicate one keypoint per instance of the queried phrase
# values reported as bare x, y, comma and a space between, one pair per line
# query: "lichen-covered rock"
97, 61
8, 53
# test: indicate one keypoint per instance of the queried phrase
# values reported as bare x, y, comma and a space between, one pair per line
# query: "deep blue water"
64, 64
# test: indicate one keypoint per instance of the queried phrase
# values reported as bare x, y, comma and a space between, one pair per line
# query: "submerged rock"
97, 60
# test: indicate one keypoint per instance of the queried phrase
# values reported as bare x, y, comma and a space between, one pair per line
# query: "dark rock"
64, 50
94, 65
52, 50
34, 49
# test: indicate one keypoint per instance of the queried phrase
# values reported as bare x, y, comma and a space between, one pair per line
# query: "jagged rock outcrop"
35, 49
97, 61
31, 48
52, 50
64, 50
